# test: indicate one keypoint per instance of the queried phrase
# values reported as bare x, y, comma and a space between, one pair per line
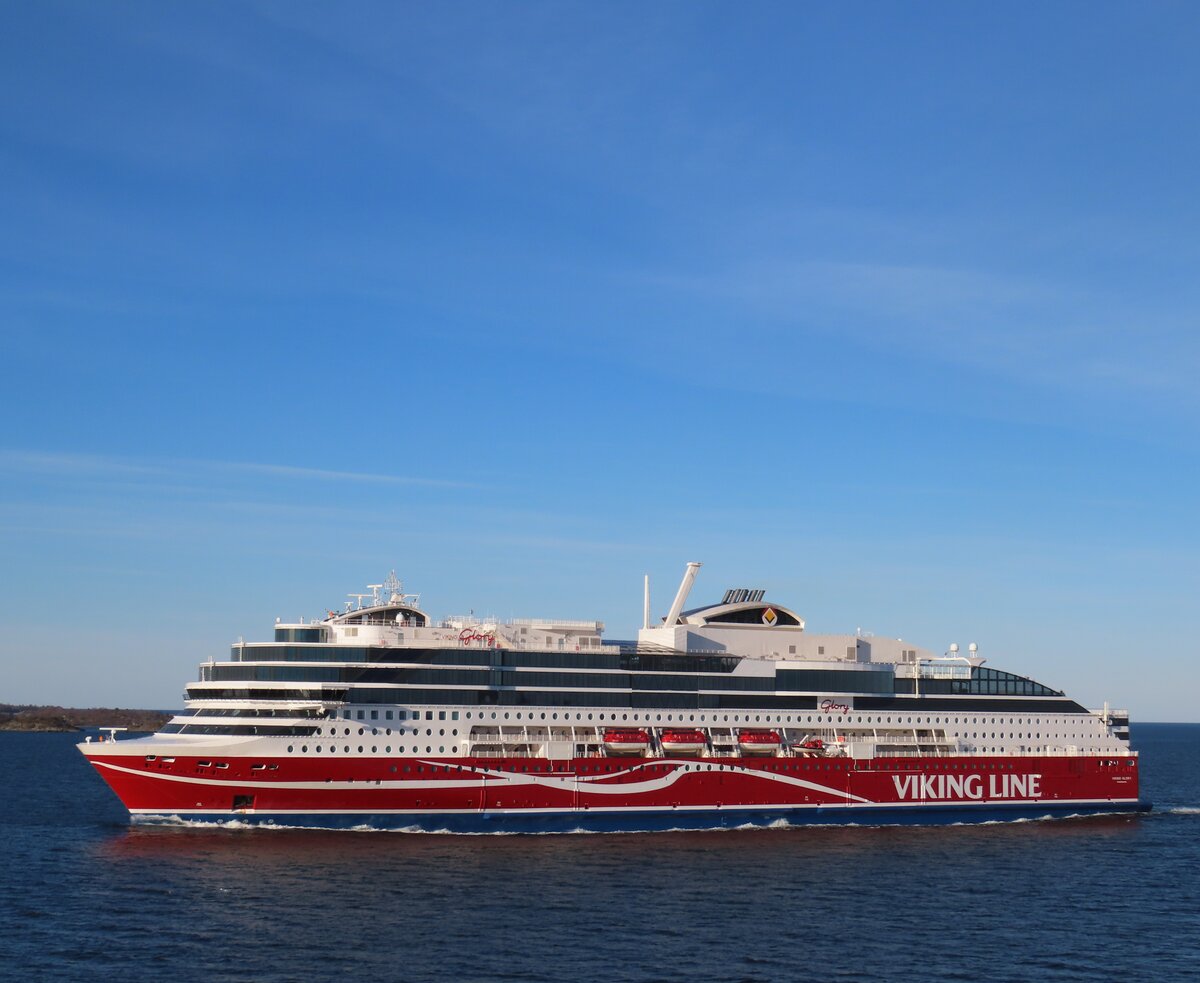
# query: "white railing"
594, 626
942, 671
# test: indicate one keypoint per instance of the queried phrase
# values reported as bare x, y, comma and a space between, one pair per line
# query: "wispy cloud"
1029, 329
292, 471
100, 466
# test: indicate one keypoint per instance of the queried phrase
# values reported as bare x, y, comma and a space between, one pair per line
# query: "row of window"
835, 680
630, 661
315, 634
716, 720
291, 713
244, 730
632, 699
983, 682
806, 680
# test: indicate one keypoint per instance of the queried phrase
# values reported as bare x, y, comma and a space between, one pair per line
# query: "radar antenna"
393, 588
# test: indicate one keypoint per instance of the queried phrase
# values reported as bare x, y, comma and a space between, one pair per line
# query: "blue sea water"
86, 896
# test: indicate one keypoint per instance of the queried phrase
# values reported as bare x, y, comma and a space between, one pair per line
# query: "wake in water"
179, 822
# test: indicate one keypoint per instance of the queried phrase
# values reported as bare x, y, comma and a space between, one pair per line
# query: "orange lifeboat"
759, 741
689, 741
623, 741
810, 748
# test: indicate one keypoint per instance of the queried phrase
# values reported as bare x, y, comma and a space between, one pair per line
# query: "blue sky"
888, 308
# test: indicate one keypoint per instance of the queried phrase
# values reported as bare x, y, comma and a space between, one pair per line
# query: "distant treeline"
18, 717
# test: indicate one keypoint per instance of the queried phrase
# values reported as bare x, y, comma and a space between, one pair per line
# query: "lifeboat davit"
626, 741
683, 741
759, 741
810, 748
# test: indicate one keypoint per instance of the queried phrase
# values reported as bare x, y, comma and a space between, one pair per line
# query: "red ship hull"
597, 793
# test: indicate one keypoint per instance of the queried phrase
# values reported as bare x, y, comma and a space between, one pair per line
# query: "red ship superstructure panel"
726, 715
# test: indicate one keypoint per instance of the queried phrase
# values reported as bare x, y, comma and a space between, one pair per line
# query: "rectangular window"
360, 714
402, 715
441, 715
389, 714
374, 714
428, 714
454, 715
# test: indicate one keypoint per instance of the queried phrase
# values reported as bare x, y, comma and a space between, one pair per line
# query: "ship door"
243, 802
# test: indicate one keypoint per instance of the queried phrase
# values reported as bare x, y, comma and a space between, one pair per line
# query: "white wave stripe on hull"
501, 779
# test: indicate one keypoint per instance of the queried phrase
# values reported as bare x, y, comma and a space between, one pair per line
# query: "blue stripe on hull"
655, 821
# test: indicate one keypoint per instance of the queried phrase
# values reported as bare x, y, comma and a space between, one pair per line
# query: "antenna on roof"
374, 594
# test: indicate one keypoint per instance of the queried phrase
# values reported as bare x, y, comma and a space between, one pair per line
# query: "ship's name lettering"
962, 787
831, 706
469, 635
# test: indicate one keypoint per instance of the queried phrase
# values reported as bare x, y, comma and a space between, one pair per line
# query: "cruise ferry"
725, 715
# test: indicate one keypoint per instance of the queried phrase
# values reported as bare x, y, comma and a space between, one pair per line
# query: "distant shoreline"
53, 719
